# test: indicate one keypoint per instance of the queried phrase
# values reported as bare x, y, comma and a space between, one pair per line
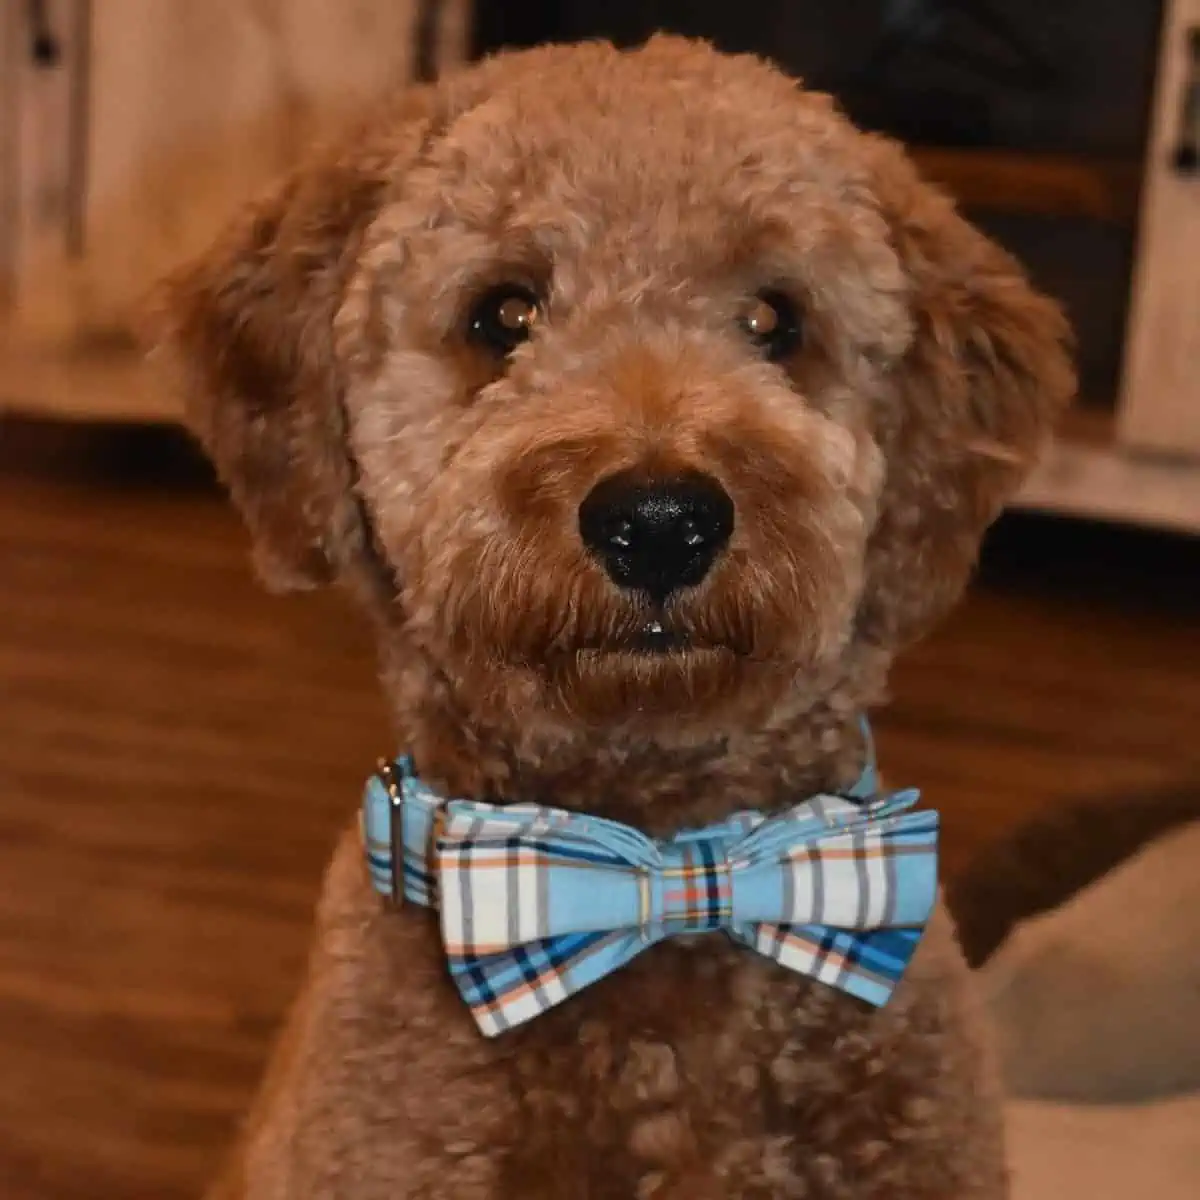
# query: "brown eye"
772, 323
504, 317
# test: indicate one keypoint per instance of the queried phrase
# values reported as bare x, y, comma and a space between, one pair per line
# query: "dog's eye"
772, 322
504, 317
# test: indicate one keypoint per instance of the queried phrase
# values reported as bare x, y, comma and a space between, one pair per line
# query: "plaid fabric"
537, 903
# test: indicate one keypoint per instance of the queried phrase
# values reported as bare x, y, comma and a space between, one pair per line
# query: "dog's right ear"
247, 331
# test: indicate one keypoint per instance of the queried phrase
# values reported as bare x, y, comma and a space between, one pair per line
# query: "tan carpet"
1097, 1009
1105, 1152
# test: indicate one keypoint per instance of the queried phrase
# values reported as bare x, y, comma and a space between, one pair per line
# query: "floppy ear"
247, 334
970, 406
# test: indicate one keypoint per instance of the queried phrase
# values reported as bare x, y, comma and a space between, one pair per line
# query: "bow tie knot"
537, 903
691, 892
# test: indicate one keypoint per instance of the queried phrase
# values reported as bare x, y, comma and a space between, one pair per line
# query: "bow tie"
537, 903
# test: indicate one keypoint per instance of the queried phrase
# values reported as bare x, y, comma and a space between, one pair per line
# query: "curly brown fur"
645, 196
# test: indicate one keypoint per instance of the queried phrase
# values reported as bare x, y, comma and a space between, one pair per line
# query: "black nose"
659, 535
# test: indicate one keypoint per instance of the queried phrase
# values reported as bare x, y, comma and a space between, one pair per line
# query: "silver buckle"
395, 829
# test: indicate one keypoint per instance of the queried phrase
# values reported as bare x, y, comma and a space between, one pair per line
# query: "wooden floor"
177, 750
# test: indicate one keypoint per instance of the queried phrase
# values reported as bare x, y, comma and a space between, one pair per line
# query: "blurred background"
178, 750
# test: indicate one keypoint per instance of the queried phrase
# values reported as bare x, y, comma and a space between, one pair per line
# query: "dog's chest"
692, 1055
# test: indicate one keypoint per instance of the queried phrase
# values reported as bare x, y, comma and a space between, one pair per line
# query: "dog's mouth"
655, 637
658, 661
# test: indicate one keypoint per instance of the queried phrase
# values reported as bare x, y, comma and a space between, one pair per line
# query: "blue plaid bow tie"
537, 903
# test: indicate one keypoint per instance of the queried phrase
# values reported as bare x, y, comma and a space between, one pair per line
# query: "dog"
647, 409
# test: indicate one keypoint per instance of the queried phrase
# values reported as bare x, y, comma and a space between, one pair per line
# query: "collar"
536, 903
402, 819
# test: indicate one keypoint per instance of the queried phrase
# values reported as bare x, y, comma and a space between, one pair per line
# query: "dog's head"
639, 383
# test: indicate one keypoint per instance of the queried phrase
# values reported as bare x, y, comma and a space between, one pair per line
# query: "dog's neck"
660, 781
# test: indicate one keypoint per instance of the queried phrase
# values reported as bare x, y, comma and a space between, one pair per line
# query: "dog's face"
644, 383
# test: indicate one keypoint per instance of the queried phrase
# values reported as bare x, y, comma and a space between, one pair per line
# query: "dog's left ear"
969, 408
246, 334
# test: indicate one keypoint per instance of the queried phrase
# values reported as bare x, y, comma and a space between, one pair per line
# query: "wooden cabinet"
130, 129
1160, 409
1139, 460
